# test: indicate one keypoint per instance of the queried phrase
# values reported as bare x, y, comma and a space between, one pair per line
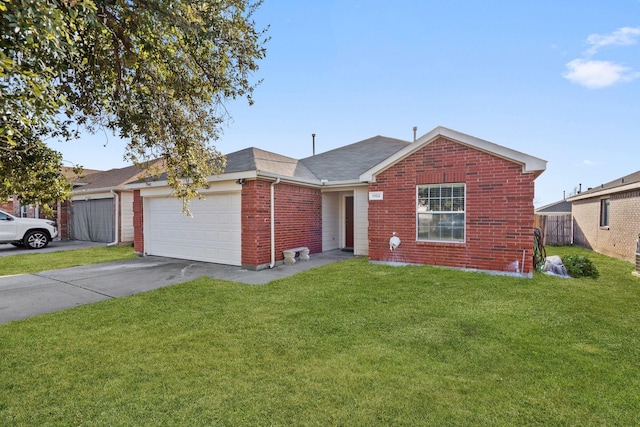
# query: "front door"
348, 222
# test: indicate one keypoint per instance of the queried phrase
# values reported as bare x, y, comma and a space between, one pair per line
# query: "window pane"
437, 226
441, 212
604, 212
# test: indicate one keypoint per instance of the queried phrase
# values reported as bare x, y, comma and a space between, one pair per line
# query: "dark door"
348, 220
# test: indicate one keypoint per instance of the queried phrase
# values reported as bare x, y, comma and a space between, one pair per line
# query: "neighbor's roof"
110, 179
626, 183
529, 163
563, 206
72, 176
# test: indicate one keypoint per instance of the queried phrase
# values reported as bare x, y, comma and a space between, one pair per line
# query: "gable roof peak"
529, 163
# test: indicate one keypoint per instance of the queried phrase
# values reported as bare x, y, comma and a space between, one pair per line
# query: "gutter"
273, 223
599, 192
289, 179
116, 200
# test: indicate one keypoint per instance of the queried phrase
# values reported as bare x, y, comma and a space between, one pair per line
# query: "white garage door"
212, 234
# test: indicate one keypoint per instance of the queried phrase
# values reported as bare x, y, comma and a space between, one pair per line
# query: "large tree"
158, 73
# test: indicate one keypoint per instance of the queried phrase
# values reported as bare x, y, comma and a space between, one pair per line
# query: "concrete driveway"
54, 246
27, 295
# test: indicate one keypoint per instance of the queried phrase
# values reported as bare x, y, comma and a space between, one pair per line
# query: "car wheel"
36, 239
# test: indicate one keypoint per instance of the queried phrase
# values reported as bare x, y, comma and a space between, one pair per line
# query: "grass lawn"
346, 344
35, 262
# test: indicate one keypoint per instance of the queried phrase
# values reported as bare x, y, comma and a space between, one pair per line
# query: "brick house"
100, 209
7, 207
451, 199
606, 219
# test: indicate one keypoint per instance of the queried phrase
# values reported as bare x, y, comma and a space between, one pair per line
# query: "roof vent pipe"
415, 129
313, 140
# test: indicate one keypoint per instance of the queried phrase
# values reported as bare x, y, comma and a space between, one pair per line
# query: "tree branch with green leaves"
158, 73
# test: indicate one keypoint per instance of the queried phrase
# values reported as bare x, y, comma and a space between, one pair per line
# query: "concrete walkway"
27, 295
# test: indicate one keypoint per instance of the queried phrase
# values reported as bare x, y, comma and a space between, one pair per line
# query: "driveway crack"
74, 285
184, 270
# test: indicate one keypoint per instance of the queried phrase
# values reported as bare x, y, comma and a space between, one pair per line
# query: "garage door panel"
212, 234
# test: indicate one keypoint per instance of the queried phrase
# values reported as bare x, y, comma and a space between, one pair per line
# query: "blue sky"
559, 80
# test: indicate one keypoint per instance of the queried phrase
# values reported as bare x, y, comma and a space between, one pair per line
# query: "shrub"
580, 266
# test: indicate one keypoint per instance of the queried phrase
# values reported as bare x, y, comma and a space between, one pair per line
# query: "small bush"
580, 266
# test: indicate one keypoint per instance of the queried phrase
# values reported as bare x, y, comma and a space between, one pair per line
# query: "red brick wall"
7, 207
499, 210
298, 221
64, 219
138, 222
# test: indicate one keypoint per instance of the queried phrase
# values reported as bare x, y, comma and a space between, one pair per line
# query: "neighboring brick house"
7, 206
453, 200
606, 218
33, 211
100, 208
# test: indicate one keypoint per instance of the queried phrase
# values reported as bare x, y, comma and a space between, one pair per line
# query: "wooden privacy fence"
556, 229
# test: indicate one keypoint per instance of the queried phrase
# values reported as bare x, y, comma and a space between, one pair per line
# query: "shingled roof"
254, 159
349, 162
625, 183
112, 178
562, 206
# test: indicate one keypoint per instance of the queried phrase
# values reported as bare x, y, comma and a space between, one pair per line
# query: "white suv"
28, 232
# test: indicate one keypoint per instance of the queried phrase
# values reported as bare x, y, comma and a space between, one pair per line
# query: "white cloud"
625, 36
589, 163
598, 74
595, 74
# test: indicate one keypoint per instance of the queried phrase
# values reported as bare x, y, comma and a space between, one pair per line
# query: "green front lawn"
346, 344
34, 262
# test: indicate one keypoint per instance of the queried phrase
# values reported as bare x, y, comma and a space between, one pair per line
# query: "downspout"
273, 223
116, 200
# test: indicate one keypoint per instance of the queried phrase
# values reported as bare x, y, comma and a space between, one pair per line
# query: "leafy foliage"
155, 72
32, 170
580, 266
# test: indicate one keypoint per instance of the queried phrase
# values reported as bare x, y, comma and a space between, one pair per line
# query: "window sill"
441, 242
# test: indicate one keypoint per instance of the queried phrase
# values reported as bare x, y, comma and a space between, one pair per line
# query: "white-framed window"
441, 212
605, 210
